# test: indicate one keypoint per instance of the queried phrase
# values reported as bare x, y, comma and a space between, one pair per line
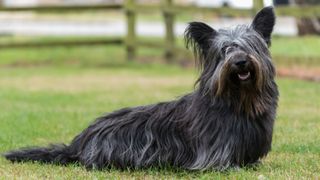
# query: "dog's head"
234, 61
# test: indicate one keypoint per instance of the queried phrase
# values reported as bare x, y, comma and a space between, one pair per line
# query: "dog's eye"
224, 49
235, 45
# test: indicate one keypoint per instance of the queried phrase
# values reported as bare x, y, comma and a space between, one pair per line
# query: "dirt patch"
298, 72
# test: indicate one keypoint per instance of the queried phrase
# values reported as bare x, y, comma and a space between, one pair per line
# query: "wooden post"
169, 26
257, 6
131, 29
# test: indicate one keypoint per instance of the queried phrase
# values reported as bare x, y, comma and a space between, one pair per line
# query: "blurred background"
115, 31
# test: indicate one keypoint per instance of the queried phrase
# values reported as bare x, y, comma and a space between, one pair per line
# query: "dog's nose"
241, 62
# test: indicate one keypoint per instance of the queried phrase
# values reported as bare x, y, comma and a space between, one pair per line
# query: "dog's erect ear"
263, 23
199, 36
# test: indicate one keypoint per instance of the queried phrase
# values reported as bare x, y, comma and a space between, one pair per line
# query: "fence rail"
63, 8
60, 43
169, 11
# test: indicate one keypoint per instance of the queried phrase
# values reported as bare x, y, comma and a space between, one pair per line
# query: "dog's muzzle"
241, 67
239, 70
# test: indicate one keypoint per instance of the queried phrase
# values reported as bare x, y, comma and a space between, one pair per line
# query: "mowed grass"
48, 95
50, 104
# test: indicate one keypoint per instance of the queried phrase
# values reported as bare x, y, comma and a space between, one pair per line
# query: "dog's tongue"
244, 76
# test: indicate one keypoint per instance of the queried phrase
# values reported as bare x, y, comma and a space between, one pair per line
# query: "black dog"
226, 122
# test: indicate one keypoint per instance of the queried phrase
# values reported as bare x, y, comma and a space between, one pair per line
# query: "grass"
48, 95
41, 105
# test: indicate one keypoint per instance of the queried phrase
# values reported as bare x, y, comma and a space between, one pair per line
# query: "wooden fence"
169, 11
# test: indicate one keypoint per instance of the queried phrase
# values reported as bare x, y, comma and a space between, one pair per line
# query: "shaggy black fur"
226, 122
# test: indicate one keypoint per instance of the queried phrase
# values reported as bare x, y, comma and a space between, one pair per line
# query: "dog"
226, 122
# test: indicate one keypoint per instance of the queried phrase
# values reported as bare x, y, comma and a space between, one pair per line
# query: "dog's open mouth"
244, 75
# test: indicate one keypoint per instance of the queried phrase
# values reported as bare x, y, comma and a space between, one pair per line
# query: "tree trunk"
308, 25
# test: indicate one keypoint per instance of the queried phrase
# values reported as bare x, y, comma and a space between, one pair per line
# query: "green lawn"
48, 104
48, 95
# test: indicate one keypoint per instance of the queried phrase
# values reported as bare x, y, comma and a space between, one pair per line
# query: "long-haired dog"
226, 122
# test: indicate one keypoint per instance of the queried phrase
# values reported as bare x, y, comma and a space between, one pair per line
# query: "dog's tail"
59, 154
